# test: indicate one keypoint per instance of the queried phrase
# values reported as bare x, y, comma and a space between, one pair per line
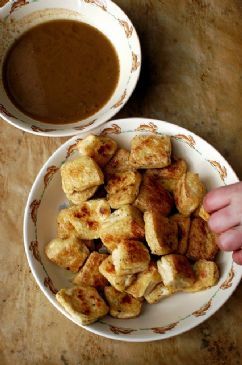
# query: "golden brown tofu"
64, 227
145, 282
153, 197
176, 271
84, 304
125, 223
170, 175
183, 224
158, 293
80, 174
119, 282
90, 274
189, 193
130, 257
100, 148
79, 197
161, 233
119, 162
201, 212
69, 253
123, 188
207, 275
149, 152
202, 242
87, 218
122, 305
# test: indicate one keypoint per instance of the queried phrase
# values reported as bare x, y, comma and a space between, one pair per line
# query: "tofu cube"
80, 174
202, 242
125, 223
207, 275
183, 224
130, 257
176, 271
153, 196
123, 188
84, 304
87, 218
100, 148
149, 152
78, 197
158, 293
69, 253
119, 282
90, 274
122, 305
161, 233
145, 282
170, 175
189, 193
119, 162
64, 227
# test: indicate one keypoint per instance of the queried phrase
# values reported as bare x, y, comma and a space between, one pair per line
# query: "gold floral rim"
49, 174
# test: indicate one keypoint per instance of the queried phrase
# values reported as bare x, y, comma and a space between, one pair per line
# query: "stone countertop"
191, 76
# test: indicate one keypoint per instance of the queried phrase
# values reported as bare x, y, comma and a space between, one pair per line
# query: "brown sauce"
60, 72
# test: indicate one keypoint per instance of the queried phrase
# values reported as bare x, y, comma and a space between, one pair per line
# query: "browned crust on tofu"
202, 242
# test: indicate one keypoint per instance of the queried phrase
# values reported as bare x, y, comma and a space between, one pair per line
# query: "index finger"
218, 198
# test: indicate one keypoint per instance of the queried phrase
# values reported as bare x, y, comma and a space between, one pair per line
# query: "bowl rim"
121, 337
110, 113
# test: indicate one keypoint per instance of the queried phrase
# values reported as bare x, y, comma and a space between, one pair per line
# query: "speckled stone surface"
192, 76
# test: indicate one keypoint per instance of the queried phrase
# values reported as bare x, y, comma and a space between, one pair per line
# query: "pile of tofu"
135, 230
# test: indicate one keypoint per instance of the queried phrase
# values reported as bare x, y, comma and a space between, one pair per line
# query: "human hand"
225, 206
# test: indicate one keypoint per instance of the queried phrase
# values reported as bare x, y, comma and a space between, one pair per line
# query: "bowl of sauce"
65, 66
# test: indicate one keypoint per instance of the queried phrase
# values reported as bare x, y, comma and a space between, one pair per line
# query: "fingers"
231, 240
223, 220
237, 257
220, 197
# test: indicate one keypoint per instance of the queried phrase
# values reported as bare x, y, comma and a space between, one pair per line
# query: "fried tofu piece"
78, 197
125, 223
158, 293
87, 218
69, 253
153, 196
201, 212
207, 275
183, 224
84, 304
119, 162
64, 227
149, 152
119, 282
123, 188
90, 274
122, 305
80, 174
161, 233
130, 257
189, 193
176, 271
170, 175
202, 242
100, 148
145, 282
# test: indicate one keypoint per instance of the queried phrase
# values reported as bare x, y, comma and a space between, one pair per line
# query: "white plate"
171, 316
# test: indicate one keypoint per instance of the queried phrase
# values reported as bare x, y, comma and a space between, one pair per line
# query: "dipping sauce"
61, 71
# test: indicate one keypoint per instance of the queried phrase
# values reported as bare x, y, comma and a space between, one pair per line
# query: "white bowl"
171, 316
18, 16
